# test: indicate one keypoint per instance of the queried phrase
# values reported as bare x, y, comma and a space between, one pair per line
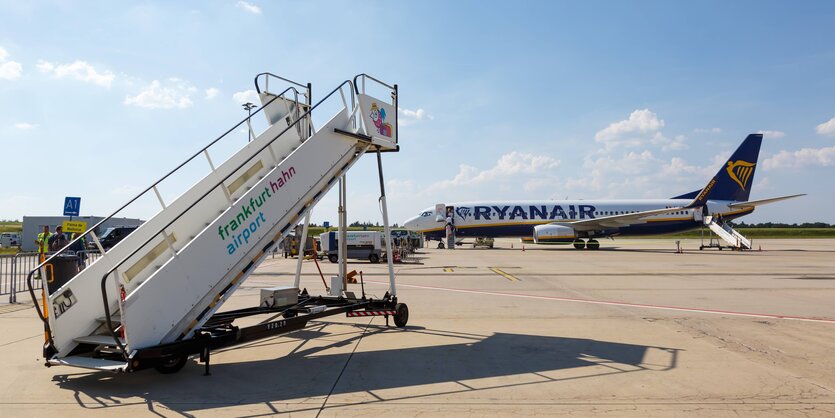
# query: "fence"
15, 267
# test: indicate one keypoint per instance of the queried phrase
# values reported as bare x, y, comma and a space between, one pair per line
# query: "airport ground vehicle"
152, 300
362, 245
483, 242
114, 234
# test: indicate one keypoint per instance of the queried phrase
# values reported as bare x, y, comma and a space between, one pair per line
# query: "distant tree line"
742, 224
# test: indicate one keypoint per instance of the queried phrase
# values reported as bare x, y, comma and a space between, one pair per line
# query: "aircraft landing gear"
579, 244
441, 245
592, 244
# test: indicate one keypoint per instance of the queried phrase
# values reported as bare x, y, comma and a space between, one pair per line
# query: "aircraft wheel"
440, 245
579, 244
333, 258
401, 316
172, 365
593, 244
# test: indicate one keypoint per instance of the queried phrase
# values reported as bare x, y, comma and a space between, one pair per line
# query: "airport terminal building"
32, 225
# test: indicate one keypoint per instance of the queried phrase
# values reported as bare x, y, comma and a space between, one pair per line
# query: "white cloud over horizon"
772, 134
9, 70
25, 126
801, 158
77, 70
248, 7
211, 93
245, 96
827, 128
173, 93
407, 117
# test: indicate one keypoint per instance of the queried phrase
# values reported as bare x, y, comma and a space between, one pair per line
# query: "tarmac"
632, 329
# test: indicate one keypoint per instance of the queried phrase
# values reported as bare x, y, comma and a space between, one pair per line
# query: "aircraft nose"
412, 223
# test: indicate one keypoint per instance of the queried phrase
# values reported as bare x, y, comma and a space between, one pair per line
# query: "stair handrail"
135, 251
149, 188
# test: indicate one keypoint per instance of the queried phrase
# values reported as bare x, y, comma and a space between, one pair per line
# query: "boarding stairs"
161, 283
727, 233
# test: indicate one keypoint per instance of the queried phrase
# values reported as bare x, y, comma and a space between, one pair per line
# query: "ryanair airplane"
581, 222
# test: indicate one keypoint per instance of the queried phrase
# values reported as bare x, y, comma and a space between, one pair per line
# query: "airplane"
582, 222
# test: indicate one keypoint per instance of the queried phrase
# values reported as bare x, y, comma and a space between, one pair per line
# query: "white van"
9, 239
367, 245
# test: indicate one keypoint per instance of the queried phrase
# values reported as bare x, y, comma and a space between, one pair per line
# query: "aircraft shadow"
315, 372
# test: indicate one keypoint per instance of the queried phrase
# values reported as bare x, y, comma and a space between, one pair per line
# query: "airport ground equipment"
152, 299
362, 245
725, 231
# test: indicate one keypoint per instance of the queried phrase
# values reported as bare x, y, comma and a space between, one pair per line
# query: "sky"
499, 100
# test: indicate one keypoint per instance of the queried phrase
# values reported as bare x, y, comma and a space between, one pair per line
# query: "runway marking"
624, 304
498, 271
448, 270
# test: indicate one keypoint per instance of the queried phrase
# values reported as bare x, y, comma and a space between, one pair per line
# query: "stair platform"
90, 363
97, 340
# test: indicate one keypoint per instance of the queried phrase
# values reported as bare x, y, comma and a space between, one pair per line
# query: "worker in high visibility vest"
43, 240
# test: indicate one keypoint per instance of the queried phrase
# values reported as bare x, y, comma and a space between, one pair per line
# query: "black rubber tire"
579, 244
593, 244
401, 316
333, 258
491, 246
172, 365
290, 314
374, 258
440, 245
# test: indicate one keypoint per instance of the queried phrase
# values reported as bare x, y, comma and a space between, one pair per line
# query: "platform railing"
305, 115
152, 188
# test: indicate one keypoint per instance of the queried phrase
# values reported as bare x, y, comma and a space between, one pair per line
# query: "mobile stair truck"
151, 301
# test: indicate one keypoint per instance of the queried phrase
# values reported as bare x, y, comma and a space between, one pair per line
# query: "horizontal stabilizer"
753, 203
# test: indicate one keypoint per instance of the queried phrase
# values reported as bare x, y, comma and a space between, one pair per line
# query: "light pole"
249, 106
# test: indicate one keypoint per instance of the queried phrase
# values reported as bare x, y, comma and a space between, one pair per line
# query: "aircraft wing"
616, 221
753, 203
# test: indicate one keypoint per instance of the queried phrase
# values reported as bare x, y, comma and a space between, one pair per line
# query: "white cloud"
507, 167
211, 93
827, 128
772, 134
801, 158
249, 7
174, 93
408, 117
246, 96
9, 70
25, 126
708, 130
78, 70
640, 121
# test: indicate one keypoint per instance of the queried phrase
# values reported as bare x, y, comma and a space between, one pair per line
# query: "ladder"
727, 233
164, 281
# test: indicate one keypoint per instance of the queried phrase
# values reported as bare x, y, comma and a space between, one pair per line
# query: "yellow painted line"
510, 277
448, 270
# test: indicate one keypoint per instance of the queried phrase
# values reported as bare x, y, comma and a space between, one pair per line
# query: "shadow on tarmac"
308, 373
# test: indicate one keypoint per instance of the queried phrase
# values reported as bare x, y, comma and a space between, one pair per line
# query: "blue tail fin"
735, 177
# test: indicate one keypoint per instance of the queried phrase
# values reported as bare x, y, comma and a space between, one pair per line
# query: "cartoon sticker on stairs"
378, 116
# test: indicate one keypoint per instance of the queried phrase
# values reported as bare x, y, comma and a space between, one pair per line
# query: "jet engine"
547, 234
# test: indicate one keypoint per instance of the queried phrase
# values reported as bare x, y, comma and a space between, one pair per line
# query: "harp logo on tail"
740, 172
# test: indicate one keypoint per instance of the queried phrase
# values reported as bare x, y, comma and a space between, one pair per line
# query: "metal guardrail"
15, 267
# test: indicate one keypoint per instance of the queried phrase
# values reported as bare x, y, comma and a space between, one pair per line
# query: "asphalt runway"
633, 329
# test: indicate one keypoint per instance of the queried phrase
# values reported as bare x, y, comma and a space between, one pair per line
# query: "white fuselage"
518, 218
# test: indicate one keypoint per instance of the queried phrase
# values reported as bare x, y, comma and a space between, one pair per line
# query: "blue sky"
500, 100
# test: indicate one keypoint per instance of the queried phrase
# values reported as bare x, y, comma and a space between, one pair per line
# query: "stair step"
116, 319
90, 363
97, 340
